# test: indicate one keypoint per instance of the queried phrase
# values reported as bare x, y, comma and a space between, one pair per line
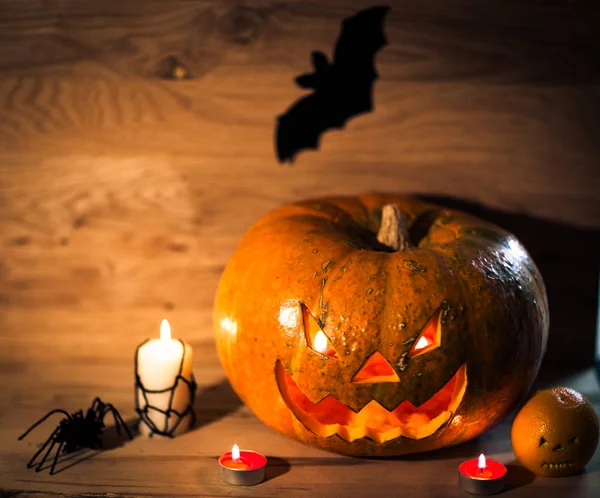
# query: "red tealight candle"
242, 467
481, 476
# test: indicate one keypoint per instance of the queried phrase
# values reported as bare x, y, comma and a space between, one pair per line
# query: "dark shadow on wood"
214, 402
112, 439
276, 467
517, 476
342, 88
465, 451
334, 461
568, 258
68, 460
281, 465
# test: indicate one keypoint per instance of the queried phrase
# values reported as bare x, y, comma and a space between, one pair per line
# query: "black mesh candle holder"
182, 389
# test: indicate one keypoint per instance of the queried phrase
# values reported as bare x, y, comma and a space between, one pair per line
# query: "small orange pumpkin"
380, 324
555, 433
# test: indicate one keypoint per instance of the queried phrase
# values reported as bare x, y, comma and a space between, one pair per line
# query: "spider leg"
118, 419
50, 413
60, 447
97, 403
45, 457
43, 447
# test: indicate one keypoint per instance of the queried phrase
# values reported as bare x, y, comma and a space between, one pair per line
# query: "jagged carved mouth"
329, 416
557, 466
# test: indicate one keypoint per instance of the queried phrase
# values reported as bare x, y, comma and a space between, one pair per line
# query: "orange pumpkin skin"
320, 259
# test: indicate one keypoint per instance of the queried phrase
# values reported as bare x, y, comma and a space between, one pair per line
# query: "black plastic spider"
76, 431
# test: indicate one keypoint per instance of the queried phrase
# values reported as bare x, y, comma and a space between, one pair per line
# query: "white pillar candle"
162, 364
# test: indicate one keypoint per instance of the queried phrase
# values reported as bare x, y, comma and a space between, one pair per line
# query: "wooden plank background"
123, 193
122, 189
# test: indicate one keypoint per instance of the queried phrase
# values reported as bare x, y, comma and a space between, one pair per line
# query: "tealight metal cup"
477, 486
243, 477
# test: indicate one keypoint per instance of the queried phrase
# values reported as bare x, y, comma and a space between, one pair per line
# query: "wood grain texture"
120, 188
491, 101
45, 367
123, 194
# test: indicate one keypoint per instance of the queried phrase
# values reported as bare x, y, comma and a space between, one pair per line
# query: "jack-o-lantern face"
335, 339
329, 416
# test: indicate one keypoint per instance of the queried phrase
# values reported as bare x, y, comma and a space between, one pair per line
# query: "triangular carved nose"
375, 369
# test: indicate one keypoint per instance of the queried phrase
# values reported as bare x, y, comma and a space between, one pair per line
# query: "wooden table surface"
63, 360
124, 193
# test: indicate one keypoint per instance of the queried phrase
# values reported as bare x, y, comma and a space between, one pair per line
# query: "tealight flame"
320, 342
422, 343
165, 330
235, 452
481, 463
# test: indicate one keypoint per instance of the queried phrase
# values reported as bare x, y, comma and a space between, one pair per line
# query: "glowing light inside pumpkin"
481, 463
430, 337
315, 337
320, 342
376, 369
165, 330
235, 452
329, 416
421, 343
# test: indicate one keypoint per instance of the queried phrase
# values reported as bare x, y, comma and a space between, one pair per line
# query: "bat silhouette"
342, 89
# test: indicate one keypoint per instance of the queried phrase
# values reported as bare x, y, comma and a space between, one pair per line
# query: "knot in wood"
242, 25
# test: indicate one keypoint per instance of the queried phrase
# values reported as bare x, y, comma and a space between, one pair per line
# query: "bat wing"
342, 90
302, 125
361, 37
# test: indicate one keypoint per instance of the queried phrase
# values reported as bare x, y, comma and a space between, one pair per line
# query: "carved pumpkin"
555, 434
379, 334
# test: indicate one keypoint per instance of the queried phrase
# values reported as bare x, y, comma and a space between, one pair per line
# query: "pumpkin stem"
393, 232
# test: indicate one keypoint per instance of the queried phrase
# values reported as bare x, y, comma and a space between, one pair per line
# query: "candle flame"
235, 452
481, 463
165, 330
320, 342
422, 343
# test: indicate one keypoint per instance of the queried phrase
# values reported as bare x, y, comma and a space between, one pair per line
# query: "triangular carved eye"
315, 337
429, 338
376, 369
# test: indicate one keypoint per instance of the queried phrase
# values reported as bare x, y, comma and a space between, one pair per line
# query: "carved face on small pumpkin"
555, 434
341, 340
